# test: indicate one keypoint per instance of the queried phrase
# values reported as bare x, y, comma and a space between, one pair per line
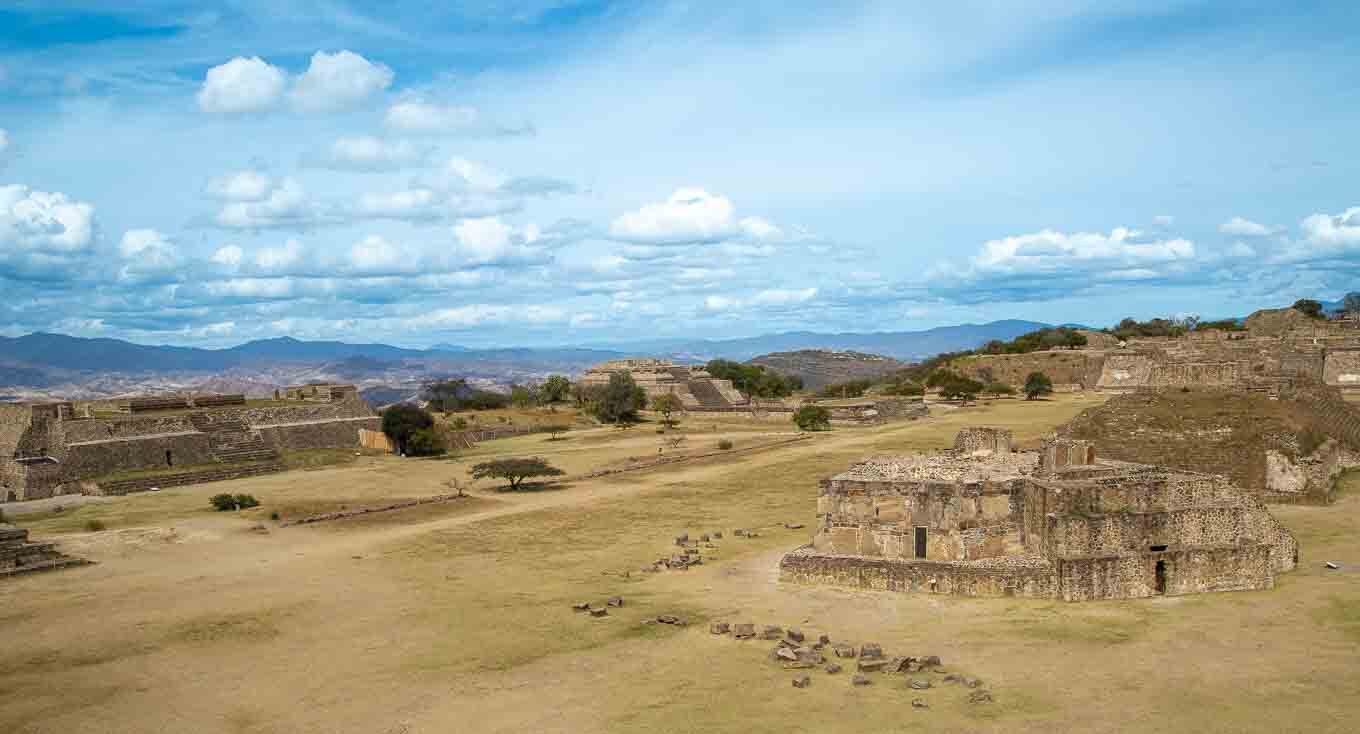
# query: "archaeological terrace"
982, 519
49, 449
696, 389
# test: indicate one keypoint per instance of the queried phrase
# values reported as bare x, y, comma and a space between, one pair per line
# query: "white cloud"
229, 256
247, 185
720, 303
241, 85
488, 241
476, 314
688, 216
1051, 251
285, 206
149, 254
422, 117
1333, 231
40, 221
761, 229
461, 174
779, 297
1241, 249
375, 254
1245, 228
338, 80
368, 153
279, 258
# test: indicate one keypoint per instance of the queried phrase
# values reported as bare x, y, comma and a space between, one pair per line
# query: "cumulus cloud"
781, 297
1336, 231
369, 154
426, 205
247, 185
147, 255
241, 85
335, 81
490, 241
285, 205
282, 259
688, 216
1245, 228
42, 232
432, 118
477, 314
229, 256
1050, 264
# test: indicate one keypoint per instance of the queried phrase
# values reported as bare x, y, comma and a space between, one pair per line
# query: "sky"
550, 172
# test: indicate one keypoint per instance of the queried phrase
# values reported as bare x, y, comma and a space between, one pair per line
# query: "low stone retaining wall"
341, 514
142, 484
679, 459
1012, 577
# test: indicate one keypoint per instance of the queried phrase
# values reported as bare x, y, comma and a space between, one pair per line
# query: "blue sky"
554, 172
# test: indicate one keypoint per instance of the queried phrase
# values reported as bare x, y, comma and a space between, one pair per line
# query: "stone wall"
88, 459
807, 566
341, 433
1064, 367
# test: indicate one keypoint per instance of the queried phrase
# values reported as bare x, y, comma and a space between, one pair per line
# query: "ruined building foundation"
984, 520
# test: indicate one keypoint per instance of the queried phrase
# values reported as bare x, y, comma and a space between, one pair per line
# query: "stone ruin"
1277, 349
983, 519
49, 449
696, 389
20, 555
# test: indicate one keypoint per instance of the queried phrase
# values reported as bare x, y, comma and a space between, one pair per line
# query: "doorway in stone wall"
169, 458
1159, 580
920, 542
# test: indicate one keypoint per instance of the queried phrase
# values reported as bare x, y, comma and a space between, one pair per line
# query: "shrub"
401, 421
724, 444
425, 442
223, 502
812, 418
274, 516
460, 423
94, 526
905, 388
229, 502
850, 389
555, 430
998, 389
1037, 384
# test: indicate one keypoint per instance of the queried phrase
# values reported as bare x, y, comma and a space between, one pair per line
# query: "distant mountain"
904, 345
819, 367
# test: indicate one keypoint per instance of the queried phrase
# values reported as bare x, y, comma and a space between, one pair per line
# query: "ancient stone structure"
318, 392
874, 409
984, 520
19, 555
1290, 449
1278, 349
696, 389
48, 449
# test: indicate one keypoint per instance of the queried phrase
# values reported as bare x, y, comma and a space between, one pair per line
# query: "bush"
401, 421
94, 526
904, 388
724, 444
274, 516
223, 502
229, 502
850, 389
425, 442
812, 418
1037, 384
998, 389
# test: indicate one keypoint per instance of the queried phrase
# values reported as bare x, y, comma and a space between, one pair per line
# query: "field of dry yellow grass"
457, 617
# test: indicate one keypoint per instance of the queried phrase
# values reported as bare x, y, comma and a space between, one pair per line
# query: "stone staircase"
18, 555
708, 396
231, 441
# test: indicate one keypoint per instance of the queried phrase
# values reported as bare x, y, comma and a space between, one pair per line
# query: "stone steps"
142, 484
707, 395
18, 555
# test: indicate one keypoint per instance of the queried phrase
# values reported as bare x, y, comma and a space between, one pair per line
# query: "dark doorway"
1160, 579
15, 498
169, 460
920, 542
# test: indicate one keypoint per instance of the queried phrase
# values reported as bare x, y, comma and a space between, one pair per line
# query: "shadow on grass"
533, 487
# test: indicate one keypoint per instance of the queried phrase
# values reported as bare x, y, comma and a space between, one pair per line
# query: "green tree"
958, 387
1310, 308
667, 405
1037, 384
443, 395
555, 430
812, 418
521, 396
848, 389
998, 389
401, 421
426, 442
555, 389
619, 401
904, 388
515, 471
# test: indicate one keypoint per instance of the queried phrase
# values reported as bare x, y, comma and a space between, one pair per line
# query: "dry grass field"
457, 617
